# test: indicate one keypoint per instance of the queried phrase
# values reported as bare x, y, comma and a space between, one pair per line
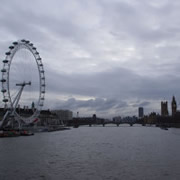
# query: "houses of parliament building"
164, 107
174, 116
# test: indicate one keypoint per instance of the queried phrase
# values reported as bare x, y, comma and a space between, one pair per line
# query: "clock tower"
173, 106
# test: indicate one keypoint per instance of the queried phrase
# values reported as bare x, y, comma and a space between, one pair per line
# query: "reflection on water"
93, 153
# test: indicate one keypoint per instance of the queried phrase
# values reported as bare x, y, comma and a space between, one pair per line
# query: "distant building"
117, 119
141, 112
63, 115
173, 106
164, 108
151, 118
129, 119
45, 118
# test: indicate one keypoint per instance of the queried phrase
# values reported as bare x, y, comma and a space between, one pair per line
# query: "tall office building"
141, 112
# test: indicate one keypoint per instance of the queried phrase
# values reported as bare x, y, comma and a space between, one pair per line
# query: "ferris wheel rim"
13, 49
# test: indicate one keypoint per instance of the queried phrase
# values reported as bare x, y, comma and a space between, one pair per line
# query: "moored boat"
164, 128
9, 133
26, 133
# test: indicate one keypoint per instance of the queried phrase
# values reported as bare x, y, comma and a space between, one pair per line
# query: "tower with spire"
164, 108
173, 106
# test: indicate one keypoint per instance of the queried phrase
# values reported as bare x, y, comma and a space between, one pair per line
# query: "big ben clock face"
174, 105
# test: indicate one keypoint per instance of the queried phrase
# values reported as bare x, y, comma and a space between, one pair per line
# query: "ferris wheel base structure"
12, 117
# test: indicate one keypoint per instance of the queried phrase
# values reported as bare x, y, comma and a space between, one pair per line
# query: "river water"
93, 153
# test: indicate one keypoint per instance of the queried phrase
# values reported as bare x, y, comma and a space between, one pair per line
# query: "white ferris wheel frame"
15, 47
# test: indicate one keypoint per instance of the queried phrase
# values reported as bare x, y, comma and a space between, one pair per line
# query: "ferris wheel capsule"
5, 61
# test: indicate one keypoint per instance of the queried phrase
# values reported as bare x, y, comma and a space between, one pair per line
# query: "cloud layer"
100, 56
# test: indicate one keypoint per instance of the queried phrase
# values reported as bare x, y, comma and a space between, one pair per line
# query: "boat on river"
9, 133
15, 133
26, 133
164, 128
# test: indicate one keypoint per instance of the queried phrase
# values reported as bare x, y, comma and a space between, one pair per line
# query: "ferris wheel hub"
23, 84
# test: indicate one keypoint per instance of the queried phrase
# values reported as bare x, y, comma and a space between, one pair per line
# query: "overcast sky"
100, 56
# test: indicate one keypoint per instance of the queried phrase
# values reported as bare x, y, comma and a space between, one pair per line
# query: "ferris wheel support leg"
13, 108
4, 118
19, 124
16, 100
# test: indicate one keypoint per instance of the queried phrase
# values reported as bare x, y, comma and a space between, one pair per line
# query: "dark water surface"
93, 153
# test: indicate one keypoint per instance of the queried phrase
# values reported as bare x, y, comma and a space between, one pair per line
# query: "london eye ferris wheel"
23, 82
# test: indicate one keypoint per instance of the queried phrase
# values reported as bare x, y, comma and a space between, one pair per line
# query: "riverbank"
15, 133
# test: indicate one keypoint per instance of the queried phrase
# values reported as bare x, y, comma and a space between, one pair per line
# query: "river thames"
98, 153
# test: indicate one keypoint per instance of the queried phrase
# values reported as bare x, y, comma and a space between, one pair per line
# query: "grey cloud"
137, 21
63, 31
119, 83
100, 106
141, 104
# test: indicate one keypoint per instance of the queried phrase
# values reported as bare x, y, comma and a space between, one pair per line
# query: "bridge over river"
76, 122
